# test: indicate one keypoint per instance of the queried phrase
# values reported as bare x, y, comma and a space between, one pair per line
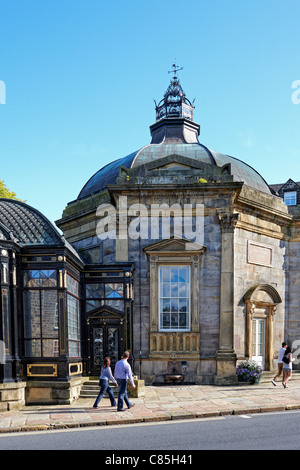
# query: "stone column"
226, 357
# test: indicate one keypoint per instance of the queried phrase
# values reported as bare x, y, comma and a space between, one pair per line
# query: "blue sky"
81, 77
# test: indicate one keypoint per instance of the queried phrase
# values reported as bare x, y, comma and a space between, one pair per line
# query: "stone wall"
249, 274
203, 369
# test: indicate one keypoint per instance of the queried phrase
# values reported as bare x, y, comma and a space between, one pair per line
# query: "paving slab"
159, 404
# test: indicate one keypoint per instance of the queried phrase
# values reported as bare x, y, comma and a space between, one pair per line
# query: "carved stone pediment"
175, 246
177, 168
106, 312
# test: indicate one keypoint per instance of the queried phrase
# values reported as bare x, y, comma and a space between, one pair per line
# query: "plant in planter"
249, 371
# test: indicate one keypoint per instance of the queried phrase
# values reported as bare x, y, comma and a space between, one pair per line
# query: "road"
269, 431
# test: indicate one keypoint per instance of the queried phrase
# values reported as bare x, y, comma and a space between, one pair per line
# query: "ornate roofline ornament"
174, 103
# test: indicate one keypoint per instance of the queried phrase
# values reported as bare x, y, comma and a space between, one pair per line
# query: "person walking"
105, 377
281, 353
287, 366
123, 373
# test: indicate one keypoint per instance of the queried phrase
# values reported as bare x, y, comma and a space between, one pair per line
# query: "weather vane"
175, 69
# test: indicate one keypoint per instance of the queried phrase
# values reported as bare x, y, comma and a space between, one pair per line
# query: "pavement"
162, 403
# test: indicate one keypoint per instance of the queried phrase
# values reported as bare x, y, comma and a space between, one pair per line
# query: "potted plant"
249, 371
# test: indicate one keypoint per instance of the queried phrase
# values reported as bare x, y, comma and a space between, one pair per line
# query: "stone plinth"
50, 392
139, 390
12, 396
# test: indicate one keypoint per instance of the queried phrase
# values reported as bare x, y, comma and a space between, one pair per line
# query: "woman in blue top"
105, 377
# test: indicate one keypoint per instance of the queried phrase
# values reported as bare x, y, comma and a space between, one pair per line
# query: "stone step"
91, 388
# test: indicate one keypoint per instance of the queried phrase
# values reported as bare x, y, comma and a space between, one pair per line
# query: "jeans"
105, 388
123, 394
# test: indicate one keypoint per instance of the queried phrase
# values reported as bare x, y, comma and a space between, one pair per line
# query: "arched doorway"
261, 305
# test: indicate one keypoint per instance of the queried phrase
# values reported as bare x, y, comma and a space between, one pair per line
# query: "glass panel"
32, 314
174, 289
182, 320
74, 349
183, 305
50, 348
113, 344
174, 274
98, 346
260, 338
72, 285
73, 326
174, 305
49, 314
94, 291
6, 320
254, 338
92, 304
174, 320
33, 348
40, 278
165, 289
113, 291
290, 198
166, 319
165, 273
117, 304
165, 305
73, 307
183, 289
183, 275
174, 292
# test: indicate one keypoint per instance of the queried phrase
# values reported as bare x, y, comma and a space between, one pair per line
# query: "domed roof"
25, 225
174, 133
241, 171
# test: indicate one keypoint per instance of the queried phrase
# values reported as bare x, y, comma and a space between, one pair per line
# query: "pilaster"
226, 357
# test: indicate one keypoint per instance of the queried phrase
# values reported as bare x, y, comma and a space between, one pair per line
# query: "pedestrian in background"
123, 373
287, 366
105, 377
281, 353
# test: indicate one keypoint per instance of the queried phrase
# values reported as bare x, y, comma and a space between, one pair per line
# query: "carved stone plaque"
259, 253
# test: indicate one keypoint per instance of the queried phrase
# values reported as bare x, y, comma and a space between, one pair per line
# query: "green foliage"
6, 193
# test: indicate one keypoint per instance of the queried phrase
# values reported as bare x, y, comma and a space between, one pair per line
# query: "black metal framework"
73, 316
40, 301
105, 338
42, 275
9, 360
174, 103
107, 303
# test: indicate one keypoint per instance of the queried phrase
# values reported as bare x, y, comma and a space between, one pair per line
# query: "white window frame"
291, 199
188, 322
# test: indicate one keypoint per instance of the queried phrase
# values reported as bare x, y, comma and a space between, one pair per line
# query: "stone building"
183, 255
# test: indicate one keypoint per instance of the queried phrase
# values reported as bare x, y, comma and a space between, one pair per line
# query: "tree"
6, 193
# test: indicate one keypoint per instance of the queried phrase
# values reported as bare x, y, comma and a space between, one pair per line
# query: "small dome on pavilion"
25, 225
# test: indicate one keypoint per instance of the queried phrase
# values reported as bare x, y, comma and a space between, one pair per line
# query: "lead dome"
174, 133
